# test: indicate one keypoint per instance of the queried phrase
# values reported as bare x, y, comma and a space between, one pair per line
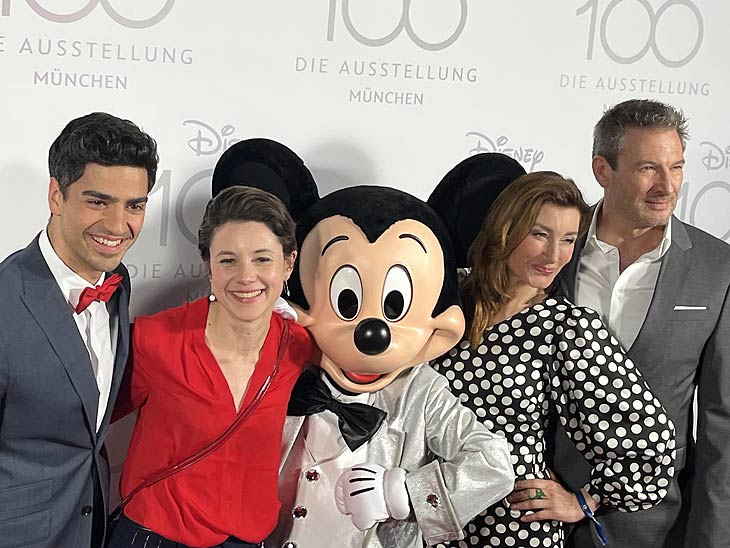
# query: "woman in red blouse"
194, 368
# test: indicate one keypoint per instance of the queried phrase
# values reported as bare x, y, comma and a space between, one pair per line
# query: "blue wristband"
596, 524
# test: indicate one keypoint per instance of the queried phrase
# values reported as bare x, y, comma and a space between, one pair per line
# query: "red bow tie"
101, 292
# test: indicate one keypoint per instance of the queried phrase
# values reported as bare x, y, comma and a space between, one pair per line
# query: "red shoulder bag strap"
220, 440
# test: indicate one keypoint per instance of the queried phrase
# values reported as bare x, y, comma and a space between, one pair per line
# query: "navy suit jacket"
683, 347
54, 474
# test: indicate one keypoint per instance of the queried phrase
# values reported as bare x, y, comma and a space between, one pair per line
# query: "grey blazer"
683, 346
455, 466
54, 473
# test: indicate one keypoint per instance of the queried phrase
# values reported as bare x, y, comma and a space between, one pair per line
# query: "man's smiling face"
98, 217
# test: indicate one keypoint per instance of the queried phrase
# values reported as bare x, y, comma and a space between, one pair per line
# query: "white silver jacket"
455, 468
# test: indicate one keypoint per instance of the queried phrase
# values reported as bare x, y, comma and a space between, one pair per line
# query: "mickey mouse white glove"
371, 494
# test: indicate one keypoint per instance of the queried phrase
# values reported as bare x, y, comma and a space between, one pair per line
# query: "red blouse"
185, 403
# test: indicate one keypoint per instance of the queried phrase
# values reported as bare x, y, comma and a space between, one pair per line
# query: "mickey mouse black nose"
372, 336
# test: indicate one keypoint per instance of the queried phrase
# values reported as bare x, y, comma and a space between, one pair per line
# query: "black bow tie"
358, 422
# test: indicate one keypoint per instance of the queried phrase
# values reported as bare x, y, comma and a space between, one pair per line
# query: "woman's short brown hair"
241, 204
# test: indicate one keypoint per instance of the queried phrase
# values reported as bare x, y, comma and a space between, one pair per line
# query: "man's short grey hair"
610, 131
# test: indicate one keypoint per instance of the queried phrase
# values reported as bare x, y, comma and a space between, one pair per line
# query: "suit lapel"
569, 274
45, 302
386, 446
386, 449
673, 273
118, 307
289, 435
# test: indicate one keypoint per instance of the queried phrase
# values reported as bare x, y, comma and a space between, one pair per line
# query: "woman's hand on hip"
548, 499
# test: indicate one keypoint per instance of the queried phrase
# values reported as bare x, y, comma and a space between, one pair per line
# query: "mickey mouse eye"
346, 293
397, 293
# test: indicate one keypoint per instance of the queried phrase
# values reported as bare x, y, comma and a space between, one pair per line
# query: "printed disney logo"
716, 158
208, 140
529, 157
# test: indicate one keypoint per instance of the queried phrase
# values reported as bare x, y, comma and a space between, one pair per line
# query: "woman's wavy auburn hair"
510, 219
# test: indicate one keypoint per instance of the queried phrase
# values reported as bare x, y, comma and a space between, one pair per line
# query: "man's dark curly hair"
103, 139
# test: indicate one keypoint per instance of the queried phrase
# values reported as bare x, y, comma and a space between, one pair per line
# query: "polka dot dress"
558, 359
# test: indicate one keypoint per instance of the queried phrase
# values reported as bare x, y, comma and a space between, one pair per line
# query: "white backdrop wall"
387, 92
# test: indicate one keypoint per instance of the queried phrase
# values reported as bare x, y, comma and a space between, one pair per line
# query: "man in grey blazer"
661, 286
63, 341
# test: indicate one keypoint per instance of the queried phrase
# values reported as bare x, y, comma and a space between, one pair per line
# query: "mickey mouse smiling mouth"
361, 378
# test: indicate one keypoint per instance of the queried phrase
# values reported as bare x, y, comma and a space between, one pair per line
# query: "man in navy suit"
663, 288
64, 335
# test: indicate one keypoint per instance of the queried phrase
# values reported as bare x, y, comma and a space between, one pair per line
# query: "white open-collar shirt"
621, 298
94, 324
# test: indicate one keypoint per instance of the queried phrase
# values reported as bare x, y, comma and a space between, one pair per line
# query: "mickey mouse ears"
465, 194
270, 166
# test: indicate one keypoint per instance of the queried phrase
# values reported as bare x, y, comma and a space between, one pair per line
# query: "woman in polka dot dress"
530, 359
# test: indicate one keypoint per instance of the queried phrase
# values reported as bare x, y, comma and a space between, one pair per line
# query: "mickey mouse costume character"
381, 454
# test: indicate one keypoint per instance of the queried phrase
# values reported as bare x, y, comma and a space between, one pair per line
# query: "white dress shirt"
621, 298
94, 324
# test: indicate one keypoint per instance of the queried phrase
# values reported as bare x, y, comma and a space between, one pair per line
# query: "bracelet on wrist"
600, 532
